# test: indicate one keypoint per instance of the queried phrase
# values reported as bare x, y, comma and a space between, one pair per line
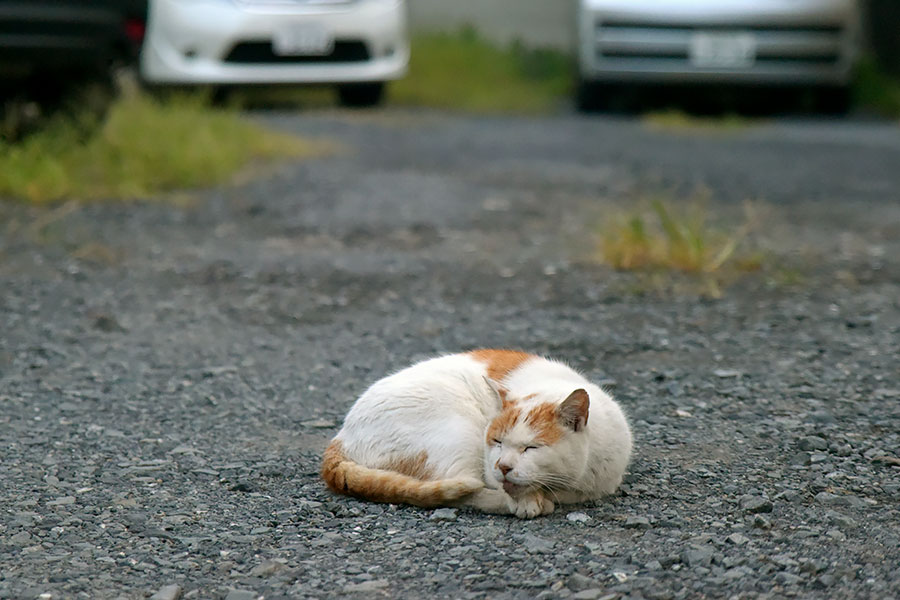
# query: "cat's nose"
504, 468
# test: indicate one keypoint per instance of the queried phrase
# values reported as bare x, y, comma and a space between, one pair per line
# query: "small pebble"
318, 424
737, 573
578, 582
839, 519
802, 459
786, 578
20, 539
373, 585
726, 373
761, 522
64, 501
169, 592
443, 514
578, 517
697, 556
591, 594
266, 568
756, 504
637, 523
738, 539
812, 442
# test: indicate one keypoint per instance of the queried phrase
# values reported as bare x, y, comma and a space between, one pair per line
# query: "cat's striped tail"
346, 477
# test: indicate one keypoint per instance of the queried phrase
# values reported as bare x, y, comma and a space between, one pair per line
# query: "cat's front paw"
548, 506
530, 506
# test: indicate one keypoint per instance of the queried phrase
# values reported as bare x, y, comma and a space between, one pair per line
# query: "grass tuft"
465, 72
140, 146
661, 239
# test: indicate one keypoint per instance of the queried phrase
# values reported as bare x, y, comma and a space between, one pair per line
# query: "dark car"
51, 41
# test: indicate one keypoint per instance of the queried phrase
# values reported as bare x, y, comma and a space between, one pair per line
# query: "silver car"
356, 44
780, 42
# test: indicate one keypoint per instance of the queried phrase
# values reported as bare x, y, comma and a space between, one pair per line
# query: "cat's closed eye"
531, 448
495, 441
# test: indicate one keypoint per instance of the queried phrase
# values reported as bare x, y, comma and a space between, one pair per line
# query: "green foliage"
873, 89
141, 146
463, 71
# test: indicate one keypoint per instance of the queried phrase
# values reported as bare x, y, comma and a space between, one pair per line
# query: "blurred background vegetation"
133, 144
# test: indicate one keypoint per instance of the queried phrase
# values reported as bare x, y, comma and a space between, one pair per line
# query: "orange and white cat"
499, 430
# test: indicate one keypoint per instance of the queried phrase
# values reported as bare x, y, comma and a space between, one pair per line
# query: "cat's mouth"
513, 489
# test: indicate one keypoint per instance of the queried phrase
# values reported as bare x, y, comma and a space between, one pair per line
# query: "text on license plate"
731, 50
305, 39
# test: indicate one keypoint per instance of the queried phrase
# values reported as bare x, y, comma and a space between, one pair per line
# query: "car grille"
262, 53
630, 44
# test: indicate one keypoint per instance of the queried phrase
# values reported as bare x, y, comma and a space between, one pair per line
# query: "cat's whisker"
555, 480
551, 492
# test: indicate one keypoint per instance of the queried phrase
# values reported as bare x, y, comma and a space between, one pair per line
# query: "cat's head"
537, 442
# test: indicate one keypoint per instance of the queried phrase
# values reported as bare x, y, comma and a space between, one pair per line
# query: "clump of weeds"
663, 238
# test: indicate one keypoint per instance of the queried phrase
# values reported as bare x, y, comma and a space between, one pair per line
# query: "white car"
356, 44
779, 42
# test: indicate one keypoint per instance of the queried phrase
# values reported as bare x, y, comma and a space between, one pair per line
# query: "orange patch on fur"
332, 472
344, 476
544, 420
500, 363
412, 466
505, 421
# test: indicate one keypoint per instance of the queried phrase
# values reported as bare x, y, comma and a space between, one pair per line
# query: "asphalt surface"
171, 371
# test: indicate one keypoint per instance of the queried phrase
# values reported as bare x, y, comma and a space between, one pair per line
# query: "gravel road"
170, 372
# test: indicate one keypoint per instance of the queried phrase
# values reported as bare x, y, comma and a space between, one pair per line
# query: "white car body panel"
221, 42
728, 41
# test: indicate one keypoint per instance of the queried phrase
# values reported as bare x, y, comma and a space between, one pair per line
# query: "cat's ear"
498, 391
573, 412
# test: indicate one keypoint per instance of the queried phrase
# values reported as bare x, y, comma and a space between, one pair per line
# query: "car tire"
594, 96
361, 95
587, 96
833, 100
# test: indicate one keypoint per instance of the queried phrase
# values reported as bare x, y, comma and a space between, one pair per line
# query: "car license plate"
299, 40
723, 50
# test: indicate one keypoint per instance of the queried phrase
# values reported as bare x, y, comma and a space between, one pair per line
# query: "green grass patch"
462, 71
875, 90
665, 237
140, 146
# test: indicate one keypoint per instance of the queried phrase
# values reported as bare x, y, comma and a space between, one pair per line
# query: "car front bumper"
797, 42
224, 42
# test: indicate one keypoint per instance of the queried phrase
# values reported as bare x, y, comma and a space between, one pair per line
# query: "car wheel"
587, 96
361, 94
593, 96
833, 100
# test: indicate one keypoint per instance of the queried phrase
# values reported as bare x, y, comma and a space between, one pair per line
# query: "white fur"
443, 407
